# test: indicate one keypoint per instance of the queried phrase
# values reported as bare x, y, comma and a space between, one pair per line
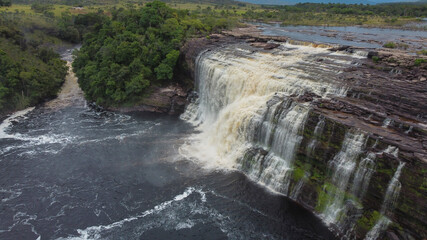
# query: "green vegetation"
324, 197
299, 173
326, 192
419, 61
340, 14
136, 49
422, 52
6, 3
376, 59
28, 74
31, 70
368, 220
396, 45
395, 15
390, 45
41, 7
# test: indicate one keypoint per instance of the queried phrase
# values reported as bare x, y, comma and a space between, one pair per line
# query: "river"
412, 40
70, 171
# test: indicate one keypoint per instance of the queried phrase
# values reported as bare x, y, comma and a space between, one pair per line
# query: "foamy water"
73, 172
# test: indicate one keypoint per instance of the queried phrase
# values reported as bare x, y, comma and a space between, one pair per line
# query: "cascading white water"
392, 150
298, 187
8, 122
279, 134
310, 148
234, 86
342, 165
363, 175
393, 191
316, 135
390, 199
249, 116
376, 230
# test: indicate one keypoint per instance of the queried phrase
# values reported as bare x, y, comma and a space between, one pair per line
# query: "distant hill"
291, 2
106, 2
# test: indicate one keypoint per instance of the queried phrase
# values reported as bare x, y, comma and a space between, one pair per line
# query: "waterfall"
376, 230
316, 135
309, 150
363, 175
342, 165
392, 150
236, 86
279, 134
387, 122
393, 190
250, 115
298, 187
390, 199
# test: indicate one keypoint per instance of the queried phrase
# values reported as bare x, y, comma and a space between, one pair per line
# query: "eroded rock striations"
353, 151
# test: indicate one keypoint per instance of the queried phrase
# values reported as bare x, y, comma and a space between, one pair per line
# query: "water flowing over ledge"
234, 85
258, 112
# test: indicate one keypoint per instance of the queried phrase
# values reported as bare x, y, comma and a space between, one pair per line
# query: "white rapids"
234, 85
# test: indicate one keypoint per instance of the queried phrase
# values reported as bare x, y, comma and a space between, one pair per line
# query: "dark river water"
71, 172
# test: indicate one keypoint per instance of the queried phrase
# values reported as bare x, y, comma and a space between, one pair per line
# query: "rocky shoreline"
170, 99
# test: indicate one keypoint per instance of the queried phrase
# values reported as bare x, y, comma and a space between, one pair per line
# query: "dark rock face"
171, 99
192, 49
265, 46
386, 99
391, 106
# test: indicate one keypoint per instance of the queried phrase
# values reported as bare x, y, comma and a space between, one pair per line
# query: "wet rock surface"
386, 98
169, 99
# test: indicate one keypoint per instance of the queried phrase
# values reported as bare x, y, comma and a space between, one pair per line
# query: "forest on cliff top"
136, 49
31, 71
129, 46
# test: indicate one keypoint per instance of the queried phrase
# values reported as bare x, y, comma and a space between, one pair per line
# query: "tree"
6, 3
134, 50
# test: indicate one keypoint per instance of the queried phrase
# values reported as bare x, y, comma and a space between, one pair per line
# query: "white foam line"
13, 194
242, 204
8, 121
94, 231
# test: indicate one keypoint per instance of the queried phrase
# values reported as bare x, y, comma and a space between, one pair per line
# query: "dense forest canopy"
30, 72
135, 49
397, 14
5, 3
